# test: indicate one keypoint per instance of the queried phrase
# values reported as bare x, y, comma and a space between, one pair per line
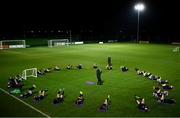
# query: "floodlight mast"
70, 36
138, 7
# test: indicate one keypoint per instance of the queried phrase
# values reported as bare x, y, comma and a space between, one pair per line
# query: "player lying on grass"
40, 72
57, 68
124, 68
164, 100
59, 97
79, 66
157, 92
162, 81
41, 95
141, 104
144, 73
105, 105
29, 92
167, 86
80, 99
153, 77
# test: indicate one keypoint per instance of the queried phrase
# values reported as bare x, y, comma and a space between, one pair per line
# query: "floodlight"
139, 7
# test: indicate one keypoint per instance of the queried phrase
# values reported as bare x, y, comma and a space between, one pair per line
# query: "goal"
7, 44
176, 49
58, 42
32, 72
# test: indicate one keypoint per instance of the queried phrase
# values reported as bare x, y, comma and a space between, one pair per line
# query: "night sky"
160, 17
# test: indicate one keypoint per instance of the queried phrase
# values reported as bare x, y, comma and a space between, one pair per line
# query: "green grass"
158, 59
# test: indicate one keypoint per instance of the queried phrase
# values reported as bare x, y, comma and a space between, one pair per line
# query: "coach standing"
98, 75
109, 61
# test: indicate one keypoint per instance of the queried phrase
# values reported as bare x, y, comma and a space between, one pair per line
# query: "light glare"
139, 7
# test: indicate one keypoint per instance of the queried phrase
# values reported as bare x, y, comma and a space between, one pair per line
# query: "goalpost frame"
33, 74
52, 42
23, 45
176, 49
1, 45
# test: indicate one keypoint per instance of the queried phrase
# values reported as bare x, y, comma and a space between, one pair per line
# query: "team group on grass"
160, 91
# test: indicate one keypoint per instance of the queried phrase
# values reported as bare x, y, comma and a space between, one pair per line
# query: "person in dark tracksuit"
109, 61
109, 65
98, 75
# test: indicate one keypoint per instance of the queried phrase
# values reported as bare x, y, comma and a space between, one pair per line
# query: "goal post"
1, 47
8, 44
58, 42
32, 72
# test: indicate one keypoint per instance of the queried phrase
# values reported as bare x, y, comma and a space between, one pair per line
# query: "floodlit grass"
157, 59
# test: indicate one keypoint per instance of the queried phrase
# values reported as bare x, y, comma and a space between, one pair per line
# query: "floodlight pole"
70, 36
138, 7
24, 31
138, 28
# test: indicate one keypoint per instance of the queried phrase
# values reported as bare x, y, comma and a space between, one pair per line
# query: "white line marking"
25, 103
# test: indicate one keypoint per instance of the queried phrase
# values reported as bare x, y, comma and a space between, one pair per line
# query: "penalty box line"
25, 103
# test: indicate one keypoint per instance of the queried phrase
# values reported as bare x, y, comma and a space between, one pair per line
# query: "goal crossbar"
7, 44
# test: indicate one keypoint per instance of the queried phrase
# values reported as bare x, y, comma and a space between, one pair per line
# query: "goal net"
58, 42
7, 44
32, 72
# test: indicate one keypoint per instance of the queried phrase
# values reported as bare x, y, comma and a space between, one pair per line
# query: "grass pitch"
157, 59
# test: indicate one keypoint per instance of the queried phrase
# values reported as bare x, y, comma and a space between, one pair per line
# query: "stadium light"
139, 7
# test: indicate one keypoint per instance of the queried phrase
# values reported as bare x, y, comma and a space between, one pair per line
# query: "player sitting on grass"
157, 93
95, 66
141, 104
123, 68
60, 97
28, 93
18, 77
13, 83
79, 66
105, 105
69, 67
146, 74
56, 68
139, 72
80, 99
162, 99
109, 67
40, 95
